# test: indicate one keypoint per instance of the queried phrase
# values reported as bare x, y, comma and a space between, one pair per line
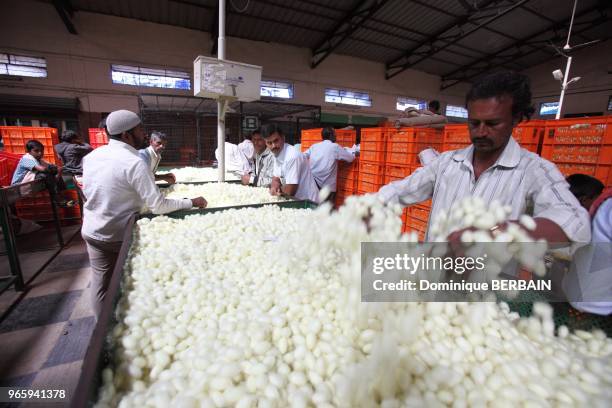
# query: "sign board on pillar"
234, 81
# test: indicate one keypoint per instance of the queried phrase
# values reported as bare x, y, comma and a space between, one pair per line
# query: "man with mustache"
291, 174
495, 167
152, 155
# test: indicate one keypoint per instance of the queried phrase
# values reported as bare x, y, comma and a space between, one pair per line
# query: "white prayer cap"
121, 121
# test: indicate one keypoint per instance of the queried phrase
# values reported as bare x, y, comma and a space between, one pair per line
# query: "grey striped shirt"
519, 178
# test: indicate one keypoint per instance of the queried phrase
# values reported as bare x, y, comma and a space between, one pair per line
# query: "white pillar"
221, 103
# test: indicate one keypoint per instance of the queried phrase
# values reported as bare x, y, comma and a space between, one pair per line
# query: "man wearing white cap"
118, 183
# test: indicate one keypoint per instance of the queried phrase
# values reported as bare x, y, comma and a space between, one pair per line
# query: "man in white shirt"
152, 155
235, 161
495, 167
588, 284
117, 183
248, 150
324, 158
264, 163
291, 173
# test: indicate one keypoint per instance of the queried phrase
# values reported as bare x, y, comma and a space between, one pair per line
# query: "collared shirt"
588, 284
519, 179
151, 158
26, 164
235, 160
117, 183
264, 169
292, 168
324, 158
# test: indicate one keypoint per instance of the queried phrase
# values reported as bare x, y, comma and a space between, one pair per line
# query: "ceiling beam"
349, 24
403, 62
66, 12
488, 60
546, 18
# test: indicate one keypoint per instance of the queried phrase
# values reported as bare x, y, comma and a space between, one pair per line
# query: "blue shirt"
26, 163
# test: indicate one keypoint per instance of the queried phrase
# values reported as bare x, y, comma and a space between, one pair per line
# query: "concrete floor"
44, 337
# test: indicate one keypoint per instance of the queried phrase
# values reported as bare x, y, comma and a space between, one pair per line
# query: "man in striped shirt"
495, 167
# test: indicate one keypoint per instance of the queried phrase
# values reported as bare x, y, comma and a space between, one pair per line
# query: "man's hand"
199, 202
169, 178
275, 187
246, 179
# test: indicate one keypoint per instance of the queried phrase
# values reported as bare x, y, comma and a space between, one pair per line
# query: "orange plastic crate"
97, 137
16, 137
391, 179
415, 223
375, 134
398, 170
372, 156
312, 135
402, 159
371, 178
582, 145
38, 207
364, 187
348, 170
306, 145
456, 133
346, 185
420, 212
346, 138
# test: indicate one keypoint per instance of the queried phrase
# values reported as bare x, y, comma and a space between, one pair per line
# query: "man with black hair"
292, 174
263, 168
32, 166
71, 150
324, 158
117, 183
434, 107
585, 188
495, 167
152, 156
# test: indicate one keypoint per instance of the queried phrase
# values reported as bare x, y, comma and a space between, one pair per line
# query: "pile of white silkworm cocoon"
261, 307
222, 194
501, 245
198, 174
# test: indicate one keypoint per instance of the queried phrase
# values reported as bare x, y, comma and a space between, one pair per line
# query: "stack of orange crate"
402, 160
582, 145
310, 137
456, 136
527, 134
16, 137
97, 137
346, 183
372, 160
346, 138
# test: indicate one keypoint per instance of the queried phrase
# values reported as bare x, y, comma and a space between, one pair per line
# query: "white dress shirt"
150, 157
519, 179
235, 160
588, 284
324, 158
117, 183
292, 168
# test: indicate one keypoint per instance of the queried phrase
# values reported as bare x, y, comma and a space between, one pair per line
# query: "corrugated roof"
392, 32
